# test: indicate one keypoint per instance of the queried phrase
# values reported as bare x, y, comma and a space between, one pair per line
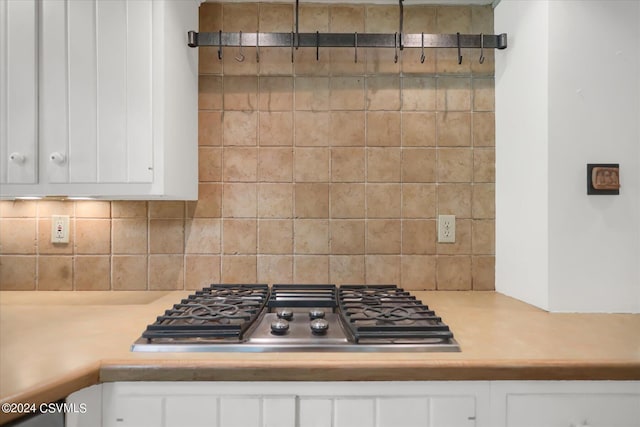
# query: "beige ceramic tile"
486, 68
382, 269
240, 17
233, 67
128, 209
383, 200
240, 128
383, 164
454, 199
202, 236
383, 93
312, 165
419, 237
275, 200
275, 269
306, 63
239, 200
419, 19
418, 165
346, 269
418, 272
483, 237
166, 209
418, 200
209, 204
208, 62
210, 21
129, 236
419, 129
209, 128
347, 164
275, 236
18, 208
201, 271
44, 239
313, 17
483, 273
46, 208
482, 19
311, 200
347, 201
347, 128
209, 164
346, 18
453, 94
276, 129
454, 273
347, 61
275, 164
239, 236
18, 236
311, 236
347, 93
166, 236
312, 93
17, 273
240, 93
129, 273
93, 209
454, 129
93, 236
484, 129
455, 165
166, 272
462, 245
240, 164
383, 60
483, 95
239, 269
275, 17
311, 269
484, 197
55, 273
347, 237
383, 236
484, 165
418, 93
275, 93
92, 273
383, 129
209, 92
450, 20
311, 129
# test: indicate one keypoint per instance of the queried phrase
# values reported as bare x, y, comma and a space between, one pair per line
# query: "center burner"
297, 317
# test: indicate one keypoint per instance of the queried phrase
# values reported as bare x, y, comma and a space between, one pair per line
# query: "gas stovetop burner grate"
217, 311
388, 313
302, 296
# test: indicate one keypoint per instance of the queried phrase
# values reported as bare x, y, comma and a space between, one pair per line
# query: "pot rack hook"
459, 54
257, 47
292, 37
355, 44
481, 48
240, 56
395, 48
317, 45
297, 26
220, 44
401, 23
422, 57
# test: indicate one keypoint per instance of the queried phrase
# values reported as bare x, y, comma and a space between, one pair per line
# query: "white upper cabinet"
116, 84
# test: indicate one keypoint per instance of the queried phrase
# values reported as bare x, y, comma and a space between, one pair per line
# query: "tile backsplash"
312, 171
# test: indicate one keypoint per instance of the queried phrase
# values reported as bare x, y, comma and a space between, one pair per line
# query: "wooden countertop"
54, 343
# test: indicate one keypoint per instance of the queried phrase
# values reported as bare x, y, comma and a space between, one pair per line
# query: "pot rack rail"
398, 40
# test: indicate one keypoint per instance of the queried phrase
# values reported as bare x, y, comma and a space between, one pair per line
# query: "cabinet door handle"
57, 158
16, 157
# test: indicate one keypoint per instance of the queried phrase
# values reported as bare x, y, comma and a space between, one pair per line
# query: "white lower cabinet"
360, 404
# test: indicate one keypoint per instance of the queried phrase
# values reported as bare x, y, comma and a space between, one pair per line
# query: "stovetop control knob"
319, 326
284, 313
316, 313
279, 327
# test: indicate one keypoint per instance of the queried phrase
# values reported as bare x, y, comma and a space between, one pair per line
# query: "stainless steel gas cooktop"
320, 318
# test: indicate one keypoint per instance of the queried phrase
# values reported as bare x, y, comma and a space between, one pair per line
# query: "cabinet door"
18, 92
96, 83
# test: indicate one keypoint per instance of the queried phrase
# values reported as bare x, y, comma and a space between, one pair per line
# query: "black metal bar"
315, 40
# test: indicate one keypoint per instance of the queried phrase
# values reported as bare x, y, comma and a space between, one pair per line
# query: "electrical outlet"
446, 228
59, 228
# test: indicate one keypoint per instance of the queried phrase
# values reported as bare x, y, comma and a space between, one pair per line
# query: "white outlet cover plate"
446, 228
59, 228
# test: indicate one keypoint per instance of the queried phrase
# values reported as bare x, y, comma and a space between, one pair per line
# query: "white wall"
592, 252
